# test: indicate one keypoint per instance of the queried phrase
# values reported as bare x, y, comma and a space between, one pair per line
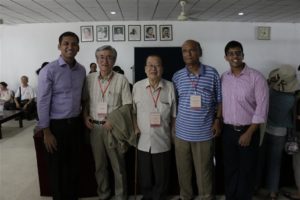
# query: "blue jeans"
272, 149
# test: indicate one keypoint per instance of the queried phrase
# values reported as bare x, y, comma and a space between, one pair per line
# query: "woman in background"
283, 84
6, 96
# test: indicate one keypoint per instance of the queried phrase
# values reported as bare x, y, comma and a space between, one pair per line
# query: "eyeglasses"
234, 53
153, 66
109, 58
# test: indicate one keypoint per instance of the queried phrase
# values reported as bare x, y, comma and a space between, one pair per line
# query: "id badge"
195, 102
102, 110
154, 119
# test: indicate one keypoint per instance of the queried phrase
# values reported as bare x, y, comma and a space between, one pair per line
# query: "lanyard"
154, 100
105, 89
194, 83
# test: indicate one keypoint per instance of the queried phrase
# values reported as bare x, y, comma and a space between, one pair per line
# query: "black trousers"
30, 111
64, 163
239, 164
154, 174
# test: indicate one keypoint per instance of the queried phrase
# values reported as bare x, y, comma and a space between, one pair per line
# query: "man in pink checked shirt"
245, 106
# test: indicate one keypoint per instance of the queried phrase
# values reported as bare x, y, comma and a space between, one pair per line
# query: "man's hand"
88, 122
49, 141
216, 128
245, 139
107, 125
25, 106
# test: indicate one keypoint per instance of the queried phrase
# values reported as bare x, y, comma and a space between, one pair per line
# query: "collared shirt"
158, 139
245, 97
59, 91
116, 95
195, 125
26, 92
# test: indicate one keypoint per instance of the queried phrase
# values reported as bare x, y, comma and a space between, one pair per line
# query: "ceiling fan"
182, 16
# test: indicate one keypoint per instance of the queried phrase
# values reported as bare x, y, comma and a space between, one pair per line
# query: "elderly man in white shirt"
25, 93
107, 94
24, 99
154, 104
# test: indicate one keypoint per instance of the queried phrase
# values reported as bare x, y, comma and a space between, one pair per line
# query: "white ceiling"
54, 11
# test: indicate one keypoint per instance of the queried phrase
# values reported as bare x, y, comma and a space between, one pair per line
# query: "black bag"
10, 105
19, 97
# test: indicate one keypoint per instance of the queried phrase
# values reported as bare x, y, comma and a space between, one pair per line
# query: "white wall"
25, 47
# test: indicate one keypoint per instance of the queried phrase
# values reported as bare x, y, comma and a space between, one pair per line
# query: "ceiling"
55, 11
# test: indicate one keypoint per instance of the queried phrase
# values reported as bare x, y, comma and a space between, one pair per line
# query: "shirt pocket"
207, 98
165, 109
114, 100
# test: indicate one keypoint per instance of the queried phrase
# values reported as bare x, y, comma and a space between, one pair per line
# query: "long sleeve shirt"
59, 91
245, 97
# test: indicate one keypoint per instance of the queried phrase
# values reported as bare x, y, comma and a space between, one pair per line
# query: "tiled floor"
18, 168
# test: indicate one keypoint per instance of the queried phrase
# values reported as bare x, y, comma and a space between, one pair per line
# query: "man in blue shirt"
60, 84
198, 121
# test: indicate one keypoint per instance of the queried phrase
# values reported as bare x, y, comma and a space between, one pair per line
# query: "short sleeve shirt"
117, 93
158, 138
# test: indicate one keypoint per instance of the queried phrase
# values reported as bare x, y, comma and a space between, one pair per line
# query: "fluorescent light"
112, 12
241, 13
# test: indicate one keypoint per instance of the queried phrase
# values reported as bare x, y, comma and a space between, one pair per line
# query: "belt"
237, 128
98, 122
68, 120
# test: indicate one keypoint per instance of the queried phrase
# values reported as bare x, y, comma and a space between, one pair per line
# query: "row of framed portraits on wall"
118, 33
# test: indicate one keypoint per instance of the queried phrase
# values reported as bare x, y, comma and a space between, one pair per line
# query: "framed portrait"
134, 33
166, 32
102, 33
118, 32
150, 33
87, 33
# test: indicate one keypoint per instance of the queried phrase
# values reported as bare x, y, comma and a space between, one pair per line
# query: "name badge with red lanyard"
195, 100
155, 119
102, 107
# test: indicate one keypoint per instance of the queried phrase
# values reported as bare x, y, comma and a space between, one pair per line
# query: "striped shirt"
191, 124
245, 97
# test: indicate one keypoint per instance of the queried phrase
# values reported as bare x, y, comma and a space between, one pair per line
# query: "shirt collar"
63, 63
245, 71
147, 84
201, 69
107, 77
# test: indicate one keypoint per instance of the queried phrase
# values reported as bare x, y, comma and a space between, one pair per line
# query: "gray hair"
109, 48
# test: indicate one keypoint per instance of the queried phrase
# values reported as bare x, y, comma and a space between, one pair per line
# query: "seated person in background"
6, 95
93, 68
24, 99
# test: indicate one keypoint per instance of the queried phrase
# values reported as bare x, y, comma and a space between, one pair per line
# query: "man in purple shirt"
245, 107
59, 105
